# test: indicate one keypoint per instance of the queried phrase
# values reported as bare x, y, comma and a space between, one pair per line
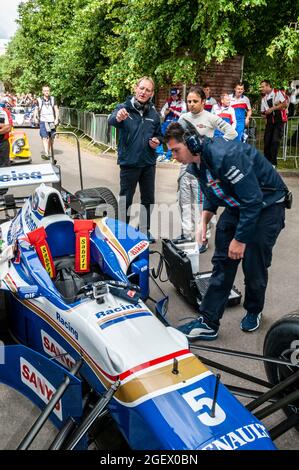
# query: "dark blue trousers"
255, 264
129, 178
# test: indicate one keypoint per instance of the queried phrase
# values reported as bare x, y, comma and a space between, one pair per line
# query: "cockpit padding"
53, 205
60, 236
68, 282
61, 242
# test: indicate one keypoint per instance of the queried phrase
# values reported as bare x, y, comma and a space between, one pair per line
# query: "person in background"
273, 108
139, 136
46, 114
291, 92
242, 107
210, 101
173, 108
225, 112
34, 106
189, 191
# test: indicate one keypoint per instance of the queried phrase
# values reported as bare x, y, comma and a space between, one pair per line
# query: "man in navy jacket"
238, 177
139, 135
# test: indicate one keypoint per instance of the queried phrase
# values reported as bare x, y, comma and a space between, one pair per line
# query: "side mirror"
28, 292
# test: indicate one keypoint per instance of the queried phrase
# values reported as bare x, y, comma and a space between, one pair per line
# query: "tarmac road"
282, 293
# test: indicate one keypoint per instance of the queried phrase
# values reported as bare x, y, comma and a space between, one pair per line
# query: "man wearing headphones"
139, 135
235, 176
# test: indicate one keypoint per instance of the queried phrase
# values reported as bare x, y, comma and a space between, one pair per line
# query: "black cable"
158, 274
155, 282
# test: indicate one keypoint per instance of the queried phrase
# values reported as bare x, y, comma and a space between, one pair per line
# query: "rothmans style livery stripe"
40, 211
143, 381
122, 316
114, 243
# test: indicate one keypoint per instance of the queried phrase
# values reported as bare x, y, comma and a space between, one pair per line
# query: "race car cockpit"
63, 248
73, 253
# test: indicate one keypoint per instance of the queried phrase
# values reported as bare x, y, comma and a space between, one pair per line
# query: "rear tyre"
282, 342
98, 202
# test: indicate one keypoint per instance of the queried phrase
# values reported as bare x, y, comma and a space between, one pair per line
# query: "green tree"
42, 25
284, 49
173, 40
79, 63
92, 51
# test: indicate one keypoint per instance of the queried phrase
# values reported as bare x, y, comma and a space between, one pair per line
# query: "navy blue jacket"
237, 176
134, 134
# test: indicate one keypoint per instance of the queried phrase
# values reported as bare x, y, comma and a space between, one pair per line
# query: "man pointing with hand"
239, 178
139, 135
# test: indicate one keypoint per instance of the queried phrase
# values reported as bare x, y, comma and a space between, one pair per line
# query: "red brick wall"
220, 77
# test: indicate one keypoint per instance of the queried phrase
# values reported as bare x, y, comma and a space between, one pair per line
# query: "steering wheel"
118, 284
84, 289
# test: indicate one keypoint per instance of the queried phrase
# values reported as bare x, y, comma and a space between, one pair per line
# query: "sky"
8, 14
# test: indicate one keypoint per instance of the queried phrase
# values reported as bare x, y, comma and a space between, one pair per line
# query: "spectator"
47, 115
9, 100
285, 94
139, 135
189, 194
210, 101
171, 111
225, 112
291, 92
242, 107
273, 107
295, 135
5, 128
237, 177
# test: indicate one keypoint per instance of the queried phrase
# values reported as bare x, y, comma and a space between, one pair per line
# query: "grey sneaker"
182, 239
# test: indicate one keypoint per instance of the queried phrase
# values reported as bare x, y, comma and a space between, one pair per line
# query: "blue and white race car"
22, 116
74, 293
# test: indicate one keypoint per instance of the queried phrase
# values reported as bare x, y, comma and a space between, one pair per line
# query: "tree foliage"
29, 58
78, 66
92, 51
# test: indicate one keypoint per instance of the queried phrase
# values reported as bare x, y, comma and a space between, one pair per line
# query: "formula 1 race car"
90, 352
22, 116
19, 150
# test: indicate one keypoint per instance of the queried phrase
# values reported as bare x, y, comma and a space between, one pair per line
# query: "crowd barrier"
95, 126
289, 143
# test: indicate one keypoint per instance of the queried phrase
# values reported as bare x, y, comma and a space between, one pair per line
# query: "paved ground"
282, 293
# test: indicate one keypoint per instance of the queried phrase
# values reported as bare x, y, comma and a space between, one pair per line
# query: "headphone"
191, 137
141, 107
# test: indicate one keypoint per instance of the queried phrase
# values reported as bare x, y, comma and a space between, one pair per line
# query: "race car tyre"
282, 341
98, 202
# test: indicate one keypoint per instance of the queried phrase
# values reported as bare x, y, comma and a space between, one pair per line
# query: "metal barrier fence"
95, 126
289, 144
